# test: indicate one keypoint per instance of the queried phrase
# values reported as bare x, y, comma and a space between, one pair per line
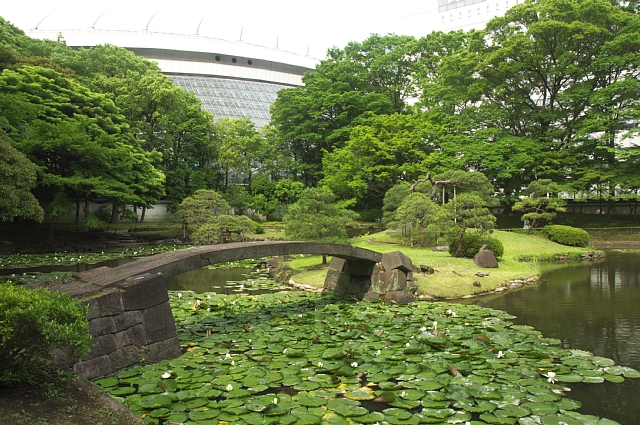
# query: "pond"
226, 280
593, 307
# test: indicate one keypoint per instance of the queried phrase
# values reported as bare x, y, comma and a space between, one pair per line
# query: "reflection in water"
589, 307
221, 280
78, 267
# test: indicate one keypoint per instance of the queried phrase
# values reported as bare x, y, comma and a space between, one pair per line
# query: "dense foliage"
316, 217
547, 92
566, 235
471, 244
34, 323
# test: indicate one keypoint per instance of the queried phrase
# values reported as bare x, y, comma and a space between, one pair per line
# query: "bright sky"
292, 25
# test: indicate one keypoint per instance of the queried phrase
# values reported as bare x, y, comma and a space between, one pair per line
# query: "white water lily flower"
354, 364
166, 375
378, 352
500, 355
229, 387
208, 308
403, 394
435, 326
408, 344
284, 351
227, 356
208, 296
320, 364
275, 400
551, 377
179, 294
423, 329
233, 363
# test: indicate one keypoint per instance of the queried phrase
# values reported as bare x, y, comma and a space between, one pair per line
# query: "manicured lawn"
453, 277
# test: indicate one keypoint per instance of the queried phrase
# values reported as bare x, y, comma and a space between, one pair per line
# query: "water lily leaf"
157, 401
490, 418
308, 419
196, 415
350, 410
437, 413
197, 402
569, 378
253, 418
482, 407
541, 409
122, 391
613, 378
363, 393
428, 385
311, 401
405, 404
150, 389
306, 386
512, 411
159, 413
413, 420
107, 382
371, 418
560, 420
568, 404
630, 373
602, 361
177, 417
593, 379
275, 410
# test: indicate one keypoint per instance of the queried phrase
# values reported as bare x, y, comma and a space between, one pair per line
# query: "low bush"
257, 228
566, 235
33, 324
471, 244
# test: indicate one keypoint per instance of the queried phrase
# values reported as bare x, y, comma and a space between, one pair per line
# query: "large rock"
485, 258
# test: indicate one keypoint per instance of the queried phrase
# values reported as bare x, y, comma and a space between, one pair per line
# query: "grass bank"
453, 277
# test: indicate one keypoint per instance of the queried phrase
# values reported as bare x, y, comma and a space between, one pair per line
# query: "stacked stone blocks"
391, 279
131, 324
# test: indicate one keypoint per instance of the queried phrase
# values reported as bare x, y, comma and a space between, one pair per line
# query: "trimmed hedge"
471, 244
33, 324
566, 235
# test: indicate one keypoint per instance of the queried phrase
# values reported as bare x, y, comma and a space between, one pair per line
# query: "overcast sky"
291, 25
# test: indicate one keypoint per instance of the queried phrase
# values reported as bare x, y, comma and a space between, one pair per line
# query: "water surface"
593, 307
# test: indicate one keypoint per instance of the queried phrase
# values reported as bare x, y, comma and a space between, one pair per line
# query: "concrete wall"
131, 324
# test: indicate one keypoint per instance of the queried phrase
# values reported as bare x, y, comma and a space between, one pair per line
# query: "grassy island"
454, 277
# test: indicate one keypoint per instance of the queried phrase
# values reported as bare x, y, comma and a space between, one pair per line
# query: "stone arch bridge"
129, 313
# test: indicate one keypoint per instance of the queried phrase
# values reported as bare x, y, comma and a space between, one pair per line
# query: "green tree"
316, 217
380, 153
202, 206
542, 203
17, 178
468, 211
392, 200
372, 77
419, 214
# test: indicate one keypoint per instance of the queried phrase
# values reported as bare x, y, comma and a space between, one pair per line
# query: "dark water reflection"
79, 267
589, 307
223, 280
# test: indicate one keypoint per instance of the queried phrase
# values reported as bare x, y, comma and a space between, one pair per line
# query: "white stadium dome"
231, 78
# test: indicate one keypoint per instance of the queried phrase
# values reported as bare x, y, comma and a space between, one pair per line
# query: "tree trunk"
50, 228
77, 210
144, 211
114, 213
459, 250
324, 259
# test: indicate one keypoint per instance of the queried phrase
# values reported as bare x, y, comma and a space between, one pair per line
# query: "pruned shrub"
471, 244
566, 235
257, 228
33, 324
